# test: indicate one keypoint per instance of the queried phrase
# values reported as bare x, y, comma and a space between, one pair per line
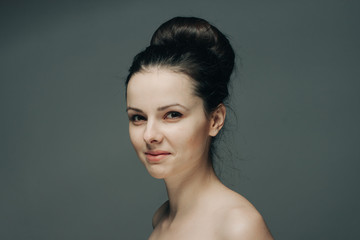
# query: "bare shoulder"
158, 215
244, 222
240, 219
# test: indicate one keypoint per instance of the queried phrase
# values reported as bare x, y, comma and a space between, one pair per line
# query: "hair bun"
192, 33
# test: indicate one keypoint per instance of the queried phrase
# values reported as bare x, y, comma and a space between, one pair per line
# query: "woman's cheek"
135, 137
178, 133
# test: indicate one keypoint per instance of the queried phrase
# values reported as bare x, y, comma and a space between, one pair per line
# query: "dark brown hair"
196, 48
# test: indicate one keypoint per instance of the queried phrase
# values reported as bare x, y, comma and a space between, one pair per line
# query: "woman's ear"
217, 120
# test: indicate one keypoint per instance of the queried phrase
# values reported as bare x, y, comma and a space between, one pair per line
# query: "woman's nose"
152, 133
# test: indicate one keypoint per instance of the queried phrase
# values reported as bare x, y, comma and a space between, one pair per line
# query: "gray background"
67, 168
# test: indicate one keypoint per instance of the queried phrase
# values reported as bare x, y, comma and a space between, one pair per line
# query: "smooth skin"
171, 135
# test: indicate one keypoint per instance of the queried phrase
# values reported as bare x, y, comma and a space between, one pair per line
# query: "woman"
175, 91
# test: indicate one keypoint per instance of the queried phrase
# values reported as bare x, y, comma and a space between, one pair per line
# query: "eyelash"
133, 118
169, 115
177, 115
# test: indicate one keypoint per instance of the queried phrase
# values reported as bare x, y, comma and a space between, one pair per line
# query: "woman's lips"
156, 156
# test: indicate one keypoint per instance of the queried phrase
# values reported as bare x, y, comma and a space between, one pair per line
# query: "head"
200, 57
194, 47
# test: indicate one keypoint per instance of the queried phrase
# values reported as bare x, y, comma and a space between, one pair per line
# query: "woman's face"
167, 123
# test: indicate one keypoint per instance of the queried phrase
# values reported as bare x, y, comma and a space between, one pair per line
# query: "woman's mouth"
156, 156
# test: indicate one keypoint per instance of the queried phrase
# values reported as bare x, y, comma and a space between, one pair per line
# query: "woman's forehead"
160, 85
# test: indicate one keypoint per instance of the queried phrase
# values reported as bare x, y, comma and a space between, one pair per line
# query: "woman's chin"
157, 175
156, 172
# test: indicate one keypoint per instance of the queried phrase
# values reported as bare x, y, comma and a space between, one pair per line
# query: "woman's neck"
186, 189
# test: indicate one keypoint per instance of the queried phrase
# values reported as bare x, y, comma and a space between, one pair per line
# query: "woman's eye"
137, 118
173, 115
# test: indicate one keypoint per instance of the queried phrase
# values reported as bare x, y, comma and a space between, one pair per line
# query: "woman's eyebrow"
134, 109
159, 108
172, 105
